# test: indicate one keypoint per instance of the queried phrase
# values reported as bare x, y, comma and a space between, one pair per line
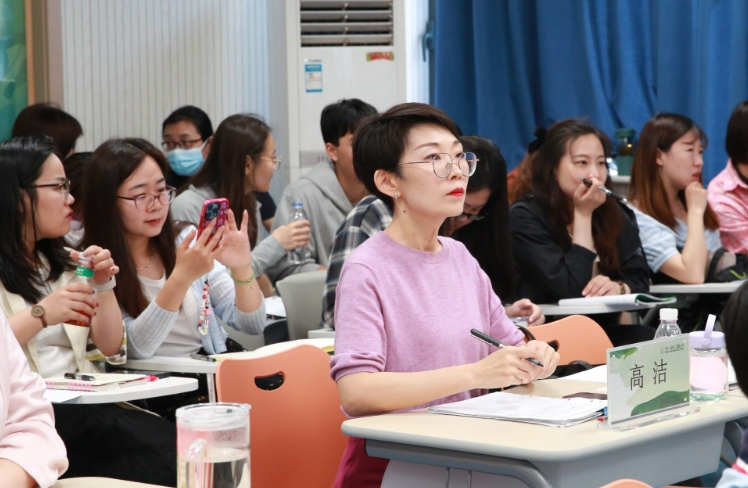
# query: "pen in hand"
497, 343
588, 184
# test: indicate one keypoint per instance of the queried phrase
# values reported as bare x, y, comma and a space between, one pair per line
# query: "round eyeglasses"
276, 160
472, 217
442, 163
144, 202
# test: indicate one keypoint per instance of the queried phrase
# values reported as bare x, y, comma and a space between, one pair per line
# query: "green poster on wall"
13, 80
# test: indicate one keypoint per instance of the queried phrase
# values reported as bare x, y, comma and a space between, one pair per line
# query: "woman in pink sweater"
407, 298
31, 452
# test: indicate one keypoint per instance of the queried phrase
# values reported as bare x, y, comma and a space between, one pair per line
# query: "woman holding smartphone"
407, 298
172, 283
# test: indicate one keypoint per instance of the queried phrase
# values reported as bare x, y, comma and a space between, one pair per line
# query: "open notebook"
101, 382
555, 412
632, 299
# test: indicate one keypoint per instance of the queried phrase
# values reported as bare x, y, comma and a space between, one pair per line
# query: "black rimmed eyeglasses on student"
61, 186
443, 162
146, 201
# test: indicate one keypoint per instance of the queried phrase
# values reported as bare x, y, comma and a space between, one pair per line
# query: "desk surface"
532, 442
696, 289
162, 387
173, 365
99, 483
590, 309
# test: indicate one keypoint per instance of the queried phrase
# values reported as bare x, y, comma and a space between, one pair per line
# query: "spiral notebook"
101, 382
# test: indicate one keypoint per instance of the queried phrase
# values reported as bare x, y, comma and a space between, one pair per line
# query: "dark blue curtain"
504, 67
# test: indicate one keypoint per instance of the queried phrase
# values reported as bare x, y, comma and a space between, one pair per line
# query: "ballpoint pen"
588, 183
495, 342
79, 377
203, 358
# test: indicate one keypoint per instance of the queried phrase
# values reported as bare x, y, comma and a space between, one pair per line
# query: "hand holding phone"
217, 209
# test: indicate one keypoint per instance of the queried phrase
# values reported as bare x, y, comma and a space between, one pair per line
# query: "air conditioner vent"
346, 23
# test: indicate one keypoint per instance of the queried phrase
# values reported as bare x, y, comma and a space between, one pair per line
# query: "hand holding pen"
605, 190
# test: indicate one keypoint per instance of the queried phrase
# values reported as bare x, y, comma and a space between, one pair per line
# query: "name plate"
648, 379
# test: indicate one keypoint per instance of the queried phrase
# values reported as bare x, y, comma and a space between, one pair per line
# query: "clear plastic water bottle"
83, 274
668, 323
708, 358
296, 256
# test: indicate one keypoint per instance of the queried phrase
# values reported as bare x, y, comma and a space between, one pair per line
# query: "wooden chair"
579, 338
295, 436
302, 297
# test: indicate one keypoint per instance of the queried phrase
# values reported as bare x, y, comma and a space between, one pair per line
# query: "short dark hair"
75, 167
44, 119
382, 139
194, 116
735, 326
736, 141
342, 117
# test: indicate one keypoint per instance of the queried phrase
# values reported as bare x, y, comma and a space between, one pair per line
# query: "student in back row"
570, 240
677, 226
328, 191
483, 227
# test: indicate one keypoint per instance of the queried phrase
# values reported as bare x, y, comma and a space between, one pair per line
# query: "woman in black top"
570, 240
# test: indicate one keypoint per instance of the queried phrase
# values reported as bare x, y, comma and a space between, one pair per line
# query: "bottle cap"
624, 132
668, 314
297, 204
707, 339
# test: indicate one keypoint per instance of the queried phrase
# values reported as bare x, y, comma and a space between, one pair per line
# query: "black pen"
203, 358
588, 183
495, 342
80, 377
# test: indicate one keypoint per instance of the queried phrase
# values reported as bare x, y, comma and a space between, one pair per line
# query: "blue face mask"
185, 162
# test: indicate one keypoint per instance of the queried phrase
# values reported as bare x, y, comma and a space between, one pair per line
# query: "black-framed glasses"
65, 186
472, 217
144, 202
171, 145
276, 160
442, 163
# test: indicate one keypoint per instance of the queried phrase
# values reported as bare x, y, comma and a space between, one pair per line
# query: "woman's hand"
507, 367
601, 286
696, 198
74, 301
101, 262
236, 249
196, 261
525, 308
293, 235
549, 361
588, 198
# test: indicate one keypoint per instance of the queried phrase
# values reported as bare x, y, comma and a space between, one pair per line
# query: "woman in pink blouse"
407, 298
31, 452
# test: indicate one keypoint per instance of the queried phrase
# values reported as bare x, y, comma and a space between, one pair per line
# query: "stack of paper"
101, 381
633, 299
555, 412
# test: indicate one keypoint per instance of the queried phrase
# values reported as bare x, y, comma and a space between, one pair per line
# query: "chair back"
302, 297
627, 484
295, 436
579, 338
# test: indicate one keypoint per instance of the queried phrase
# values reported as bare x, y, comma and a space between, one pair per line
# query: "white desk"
173, 365
162, 387
580, 456
99, 483
321, 334
695, 289
590, 309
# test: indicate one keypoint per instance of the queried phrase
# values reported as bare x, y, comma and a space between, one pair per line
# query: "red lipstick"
457, 192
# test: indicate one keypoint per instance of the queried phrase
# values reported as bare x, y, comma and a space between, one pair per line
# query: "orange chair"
627, 484
295, 436
579, 338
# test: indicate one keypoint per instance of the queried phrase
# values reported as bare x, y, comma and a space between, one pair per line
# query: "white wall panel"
128, 63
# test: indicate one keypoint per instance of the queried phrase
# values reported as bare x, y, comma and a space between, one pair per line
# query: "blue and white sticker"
313, 76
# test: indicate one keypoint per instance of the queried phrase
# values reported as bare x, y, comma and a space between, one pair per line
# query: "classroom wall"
125, 65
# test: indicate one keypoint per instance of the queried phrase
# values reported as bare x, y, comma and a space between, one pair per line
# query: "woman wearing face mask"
570, 240
408, 298
187, 133
676, 224
242, 161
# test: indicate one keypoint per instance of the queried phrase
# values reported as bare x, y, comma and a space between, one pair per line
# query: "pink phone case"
217, 208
